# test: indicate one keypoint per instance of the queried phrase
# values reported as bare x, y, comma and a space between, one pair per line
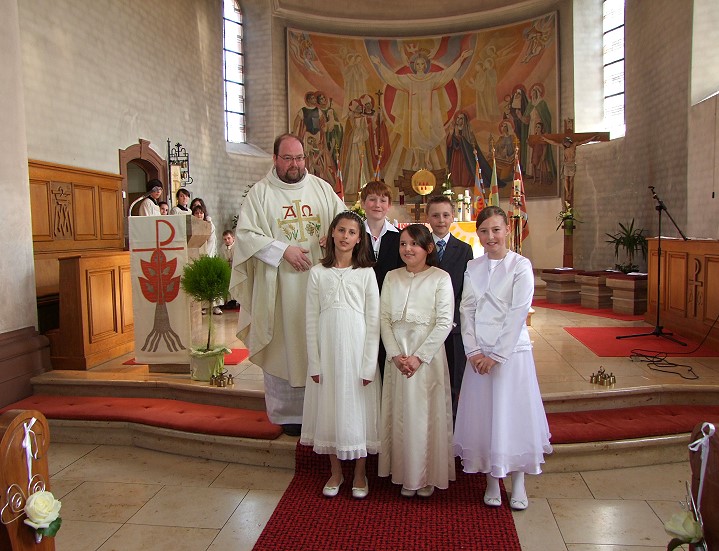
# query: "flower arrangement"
357, 207
566, 216
685, 526
43, 514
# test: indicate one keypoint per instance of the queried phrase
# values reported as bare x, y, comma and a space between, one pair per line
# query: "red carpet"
579, 309
237, 356
603, 342
451, 519
156, 412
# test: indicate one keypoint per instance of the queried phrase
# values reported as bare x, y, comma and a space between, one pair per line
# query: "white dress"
501, 426
341, 416
416, 315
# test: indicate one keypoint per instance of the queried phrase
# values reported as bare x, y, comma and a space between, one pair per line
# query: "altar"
688, 300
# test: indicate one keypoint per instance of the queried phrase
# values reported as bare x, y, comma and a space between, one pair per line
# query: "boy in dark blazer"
453, 256
375, 199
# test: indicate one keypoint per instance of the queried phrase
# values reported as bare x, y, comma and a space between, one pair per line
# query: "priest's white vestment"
271, 293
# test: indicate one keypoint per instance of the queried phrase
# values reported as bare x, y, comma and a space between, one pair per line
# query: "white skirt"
501, 426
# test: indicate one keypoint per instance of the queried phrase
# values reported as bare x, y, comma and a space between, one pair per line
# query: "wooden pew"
15, 484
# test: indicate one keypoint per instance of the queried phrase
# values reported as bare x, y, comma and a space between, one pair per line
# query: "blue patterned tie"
440, 249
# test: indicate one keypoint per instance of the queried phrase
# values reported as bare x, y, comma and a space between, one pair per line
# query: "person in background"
453, 256
149, 206
182, 196
226, 252
342, 394
375, 200
501, 427
416, 312
280, 225
199, 211
164, 208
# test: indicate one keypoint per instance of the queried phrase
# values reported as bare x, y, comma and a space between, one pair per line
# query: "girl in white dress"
501, 426
416, 315
341, 407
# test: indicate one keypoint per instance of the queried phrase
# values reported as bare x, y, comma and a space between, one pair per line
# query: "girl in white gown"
341, 407
416, 315
501, 426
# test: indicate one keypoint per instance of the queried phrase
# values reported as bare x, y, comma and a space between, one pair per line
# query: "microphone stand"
658, 330
136, 201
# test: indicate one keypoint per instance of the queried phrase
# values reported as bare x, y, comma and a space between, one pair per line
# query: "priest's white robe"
271, 293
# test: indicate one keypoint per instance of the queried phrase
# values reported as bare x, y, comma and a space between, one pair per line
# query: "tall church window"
234, 72
613, 53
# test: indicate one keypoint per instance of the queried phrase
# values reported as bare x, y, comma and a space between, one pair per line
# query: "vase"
568, 227
206, 364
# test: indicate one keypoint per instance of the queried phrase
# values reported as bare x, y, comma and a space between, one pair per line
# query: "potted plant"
632, 241
206, 280
566, 218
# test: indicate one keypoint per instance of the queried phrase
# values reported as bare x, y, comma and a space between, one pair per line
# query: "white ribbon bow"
27, 443
702, 442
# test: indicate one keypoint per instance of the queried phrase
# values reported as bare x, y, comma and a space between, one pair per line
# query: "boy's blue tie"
440, 249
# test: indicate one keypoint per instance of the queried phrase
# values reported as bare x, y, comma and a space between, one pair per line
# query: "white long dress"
501, 426
341, 416
416, 315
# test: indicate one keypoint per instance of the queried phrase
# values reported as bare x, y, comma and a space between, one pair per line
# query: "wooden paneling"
127, 320
689, 291
101, 301
86, 214
42, 215
110, 215
75, 209
95, 310
676, 283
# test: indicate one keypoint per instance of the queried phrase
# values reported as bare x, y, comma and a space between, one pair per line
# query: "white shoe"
519, 504
405, 492
426, 491
216, 310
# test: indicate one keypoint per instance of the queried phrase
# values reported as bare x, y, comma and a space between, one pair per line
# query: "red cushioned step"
171, 414
625, 423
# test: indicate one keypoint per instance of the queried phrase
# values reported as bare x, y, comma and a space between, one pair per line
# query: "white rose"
683, 526
41, 509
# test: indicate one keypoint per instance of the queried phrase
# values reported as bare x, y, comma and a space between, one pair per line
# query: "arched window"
613, 51
234, 72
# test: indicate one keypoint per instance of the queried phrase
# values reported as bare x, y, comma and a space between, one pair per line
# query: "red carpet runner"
604, 343
237, 356
455, 518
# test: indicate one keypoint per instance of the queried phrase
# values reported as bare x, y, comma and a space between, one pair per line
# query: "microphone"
136, 201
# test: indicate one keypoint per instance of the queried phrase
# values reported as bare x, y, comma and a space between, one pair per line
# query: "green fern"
206, 279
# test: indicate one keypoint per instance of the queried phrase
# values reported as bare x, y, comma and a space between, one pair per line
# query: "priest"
281, 223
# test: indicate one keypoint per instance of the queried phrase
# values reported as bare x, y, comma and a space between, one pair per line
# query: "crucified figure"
569, 167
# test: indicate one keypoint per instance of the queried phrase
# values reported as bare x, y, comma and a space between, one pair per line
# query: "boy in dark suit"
453, 256
375, 199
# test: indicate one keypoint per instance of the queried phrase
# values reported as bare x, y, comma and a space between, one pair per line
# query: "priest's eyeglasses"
290, 158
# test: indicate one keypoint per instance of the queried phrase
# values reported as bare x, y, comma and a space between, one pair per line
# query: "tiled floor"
127, 499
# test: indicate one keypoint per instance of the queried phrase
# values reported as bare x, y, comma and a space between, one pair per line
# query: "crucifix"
417, 210
569, 140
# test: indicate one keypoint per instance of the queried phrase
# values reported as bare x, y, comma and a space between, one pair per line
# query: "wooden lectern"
165, 318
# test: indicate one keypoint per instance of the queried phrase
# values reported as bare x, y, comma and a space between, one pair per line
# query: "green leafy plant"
632, 241
357, 207
206, 280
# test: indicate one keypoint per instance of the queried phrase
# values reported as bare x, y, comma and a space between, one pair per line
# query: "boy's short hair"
181, 191
375, 187
228, 232
436, 200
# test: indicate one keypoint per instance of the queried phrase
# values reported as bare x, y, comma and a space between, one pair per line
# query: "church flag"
520, 208
494, 186
479, 203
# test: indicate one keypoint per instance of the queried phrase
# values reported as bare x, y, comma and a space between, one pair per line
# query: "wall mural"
387, 107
